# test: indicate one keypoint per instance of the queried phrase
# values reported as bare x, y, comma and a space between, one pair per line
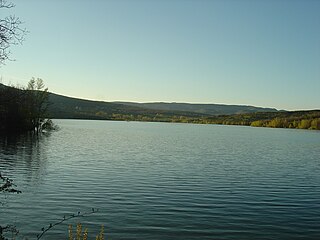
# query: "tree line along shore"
296, 119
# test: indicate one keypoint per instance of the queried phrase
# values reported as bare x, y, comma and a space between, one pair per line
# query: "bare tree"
10, 32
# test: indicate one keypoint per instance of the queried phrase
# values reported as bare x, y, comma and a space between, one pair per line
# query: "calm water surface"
165, 181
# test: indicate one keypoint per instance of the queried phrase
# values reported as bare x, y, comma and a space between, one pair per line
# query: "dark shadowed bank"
24, 109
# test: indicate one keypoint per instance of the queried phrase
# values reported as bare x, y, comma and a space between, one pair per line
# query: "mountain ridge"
75, 107
194, 108
201, 108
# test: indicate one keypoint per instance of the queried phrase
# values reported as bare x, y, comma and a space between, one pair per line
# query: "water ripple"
167, 181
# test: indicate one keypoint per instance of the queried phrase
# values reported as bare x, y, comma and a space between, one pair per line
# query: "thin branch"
5, 4
44, 230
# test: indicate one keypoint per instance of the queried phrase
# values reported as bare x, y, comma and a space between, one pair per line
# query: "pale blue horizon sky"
261, 53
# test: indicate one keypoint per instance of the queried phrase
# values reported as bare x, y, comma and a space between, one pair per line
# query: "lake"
165, 181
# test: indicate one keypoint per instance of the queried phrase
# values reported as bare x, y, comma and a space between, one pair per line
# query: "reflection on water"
24, 155
23, 158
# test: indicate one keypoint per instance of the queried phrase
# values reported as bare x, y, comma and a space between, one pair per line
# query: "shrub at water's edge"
296, 119
304, 122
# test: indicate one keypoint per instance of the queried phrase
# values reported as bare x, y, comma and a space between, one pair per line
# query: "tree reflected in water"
25, 153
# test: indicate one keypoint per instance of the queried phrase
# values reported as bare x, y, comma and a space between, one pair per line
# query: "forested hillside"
67, 107
209, 109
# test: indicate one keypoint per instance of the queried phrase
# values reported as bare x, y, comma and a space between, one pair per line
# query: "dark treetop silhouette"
10, 32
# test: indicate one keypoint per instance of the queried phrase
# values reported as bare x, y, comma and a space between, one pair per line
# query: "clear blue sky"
254, 52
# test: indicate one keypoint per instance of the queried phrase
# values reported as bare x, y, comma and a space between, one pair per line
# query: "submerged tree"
37, 106
10, 32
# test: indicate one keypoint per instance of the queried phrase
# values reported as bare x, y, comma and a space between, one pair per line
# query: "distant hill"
207, 109
67, 107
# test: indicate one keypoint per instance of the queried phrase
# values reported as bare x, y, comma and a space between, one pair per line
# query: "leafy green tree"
258, 123
304, 124
315, 124
275, 123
